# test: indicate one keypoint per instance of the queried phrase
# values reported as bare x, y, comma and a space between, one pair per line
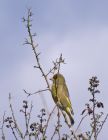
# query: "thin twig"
59, 125
29, 115
13, 132
56, 65
26, 121
60, 59
39, 91
102, 125
94, 118
80, 122
2, 127
49, 117
16, 125
73, 133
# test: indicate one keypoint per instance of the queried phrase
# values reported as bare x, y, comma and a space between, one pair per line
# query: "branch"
31, 42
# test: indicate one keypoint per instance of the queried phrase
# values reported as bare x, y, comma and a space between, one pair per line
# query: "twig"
49, 120
13, 132
60, 60
2, 127
80, 122
57, 65
52, 69
94, 118
58, 123
16, 125
57, 127
29, 115
26, 121
73, 133
39, 91
102, 125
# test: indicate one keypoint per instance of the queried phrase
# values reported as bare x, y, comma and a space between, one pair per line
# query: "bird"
60, 95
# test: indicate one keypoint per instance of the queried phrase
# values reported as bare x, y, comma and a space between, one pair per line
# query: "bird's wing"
66, 90
63, 95
66, 97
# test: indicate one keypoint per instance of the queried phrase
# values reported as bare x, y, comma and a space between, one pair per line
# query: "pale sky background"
76, 28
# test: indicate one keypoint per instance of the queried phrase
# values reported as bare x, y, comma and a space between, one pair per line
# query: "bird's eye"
55, 76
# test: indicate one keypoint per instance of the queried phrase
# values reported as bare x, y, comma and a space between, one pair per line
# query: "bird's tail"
68, 111
72, 120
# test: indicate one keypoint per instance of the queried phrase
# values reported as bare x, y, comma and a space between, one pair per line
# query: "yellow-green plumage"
60, 95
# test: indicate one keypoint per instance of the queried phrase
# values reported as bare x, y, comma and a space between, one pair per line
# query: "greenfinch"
60, 95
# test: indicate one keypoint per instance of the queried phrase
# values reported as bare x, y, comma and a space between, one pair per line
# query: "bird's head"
58, 78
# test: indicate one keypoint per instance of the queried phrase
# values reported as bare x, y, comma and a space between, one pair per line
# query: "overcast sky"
76, 28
